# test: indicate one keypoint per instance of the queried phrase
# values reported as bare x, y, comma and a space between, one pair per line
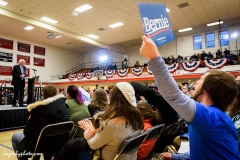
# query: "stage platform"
12, 117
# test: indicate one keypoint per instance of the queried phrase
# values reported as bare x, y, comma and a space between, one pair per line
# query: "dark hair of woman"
120, 107
149, 113
75, 93
99, 99
236, 106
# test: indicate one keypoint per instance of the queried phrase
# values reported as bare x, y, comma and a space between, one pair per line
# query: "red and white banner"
26, 58
214, 64
23, 47
39, 50
39, 62
5, 43
6, 70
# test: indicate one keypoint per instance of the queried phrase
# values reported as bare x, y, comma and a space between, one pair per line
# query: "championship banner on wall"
26, 58
39, 62
6, 70
39, 50
5, 43
6, 57
23, 47
156, 23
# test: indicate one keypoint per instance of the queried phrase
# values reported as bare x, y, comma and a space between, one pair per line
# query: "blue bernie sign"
156, 23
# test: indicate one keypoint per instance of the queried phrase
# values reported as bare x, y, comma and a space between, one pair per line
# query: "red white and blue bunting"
109, 73
71, 77
137, 71
214, 64
173, 67
80, 75
122, 72
149, 70
190, 66
89, 75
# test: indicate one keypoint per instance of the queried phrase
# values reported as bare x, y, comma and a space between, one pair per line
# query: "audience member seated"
77, 110
99, 102
121, 120
137, 64
150, 118
209, 56
226, 53
51, 110
218, 54
194, 57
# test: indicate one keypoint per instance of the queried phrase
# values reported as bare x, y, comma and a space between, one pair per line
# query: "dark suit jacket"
16, 73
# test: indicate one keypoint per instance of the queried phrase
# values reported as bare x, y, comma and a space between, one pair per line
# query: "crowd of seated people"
6, 96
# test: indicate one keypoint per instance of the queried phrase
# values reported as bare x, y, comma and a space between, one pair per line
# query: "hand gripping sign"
156, 23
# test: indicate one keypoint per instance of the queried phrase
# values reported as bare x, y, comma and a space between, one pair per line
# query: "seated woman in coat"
51, 110
77, 110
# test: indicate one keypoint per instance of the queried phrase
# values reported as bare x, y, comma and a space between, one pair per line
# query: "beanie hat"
128, 92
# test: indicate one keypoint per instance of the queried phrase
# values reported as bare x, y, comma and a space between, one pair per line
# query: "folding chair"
173, 128
132, 143
52, 130
154, 133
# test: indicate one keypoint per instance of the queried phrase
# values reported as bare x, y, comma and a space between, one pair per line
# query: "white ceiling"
18, 14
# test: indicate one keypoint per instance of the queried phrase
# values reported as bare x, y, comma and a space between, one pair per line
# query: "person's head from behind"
123, 104
219, 86
149, 113
74, 93
236, 106
100, 99
49, 91
21, 62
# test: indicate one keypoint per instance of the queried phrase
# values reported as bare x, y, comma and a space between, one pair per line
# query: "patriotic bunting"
89, 75
71, 77
137, 71
190, 66
80, 75
122, 72
214, 64
173, 67
109, 73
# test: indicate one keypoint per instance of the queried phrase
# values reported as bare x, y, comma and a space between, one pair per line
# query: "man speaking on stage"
18, 81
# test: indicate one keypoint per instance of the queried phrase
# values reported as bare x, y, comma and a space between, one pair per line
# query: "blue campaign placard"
156, 23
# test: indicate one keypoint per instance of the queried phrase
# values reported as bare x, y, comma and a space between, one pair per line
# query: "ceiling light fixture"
49, 20
93, 36
3, 3
168, 10
29, 28
214, 23
83, 8
116, 25
185, 29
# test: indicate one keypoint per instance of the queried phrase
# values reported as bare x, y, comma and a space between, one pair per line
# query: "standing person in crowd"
150, 118
218, 54
206, 119
77, 109
51, 110
18, 81
99, 102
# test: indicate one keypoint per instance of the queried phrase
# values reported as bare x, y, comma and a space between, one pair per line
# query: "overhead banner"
6, 57
156, 23
5, 43
6, 70
23, 47
39, 62
39, 50
26, 58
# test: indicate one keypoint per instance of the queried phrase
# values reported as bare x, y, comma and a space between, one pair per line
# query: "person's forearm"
184, 105
182, 156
